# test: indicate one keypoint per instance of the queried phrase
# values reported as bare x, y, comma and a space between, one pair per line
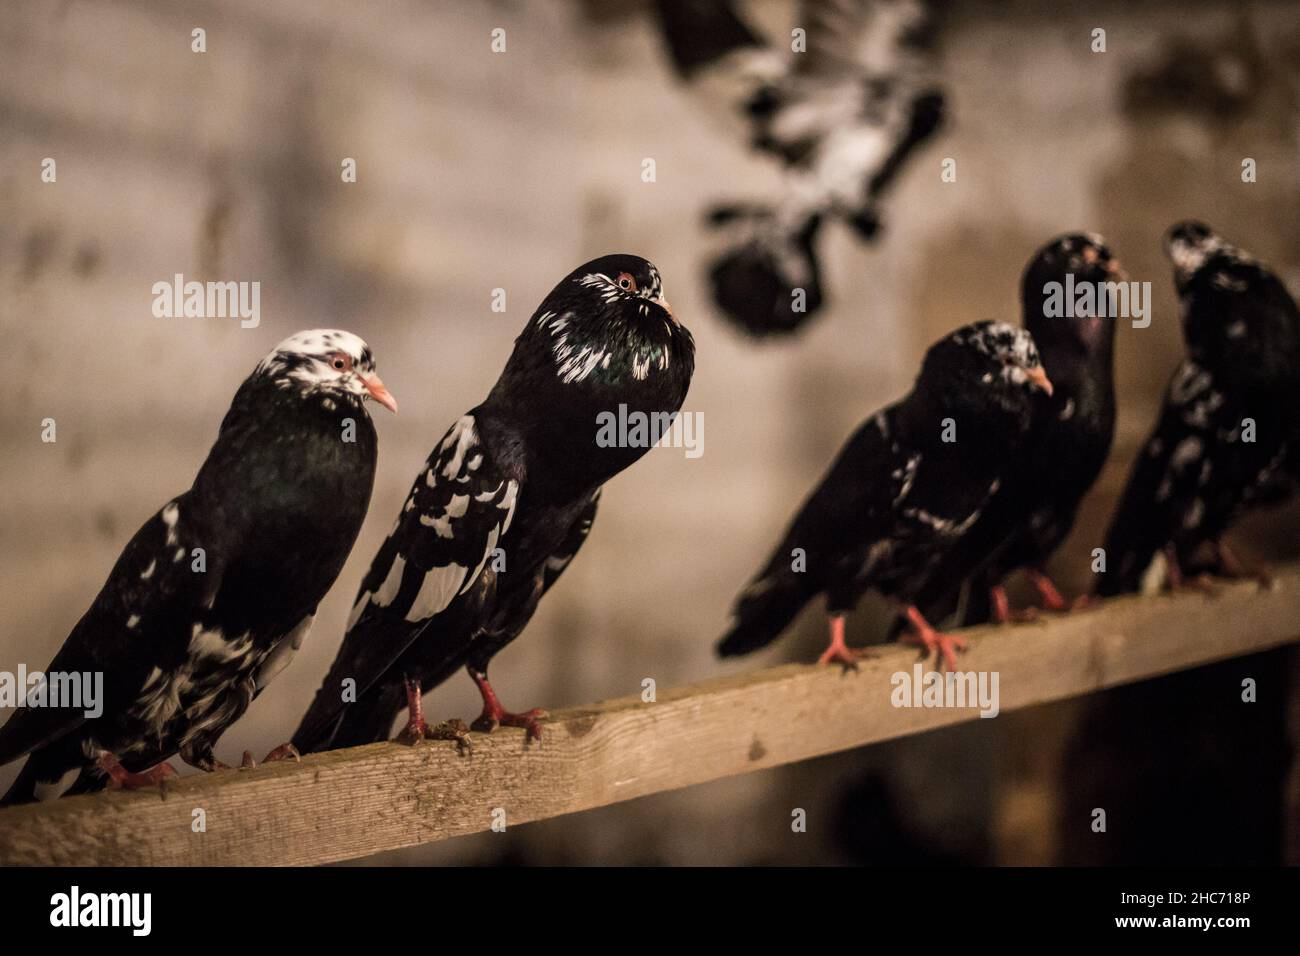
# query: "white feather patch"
385, 593
436, 592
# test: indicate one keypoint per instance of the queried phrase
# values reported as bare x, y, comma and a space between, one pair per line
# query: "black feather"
899, 495
1072, 433
1198, 472
519, 475
186, 646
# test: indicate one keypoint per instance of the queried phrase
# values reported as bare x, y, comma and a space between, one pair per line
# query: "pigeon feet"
1002, 612
1175, 580
1047, 592
944, 646
490, 719
1050, 598
283, 752
119, 778
494, 715
838, 652
206, 761
418, 730
1229, 566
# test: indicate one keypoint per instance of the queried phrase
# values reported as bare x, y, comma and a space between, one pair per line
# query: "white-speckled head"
1012, 349
1188, 244
324, 361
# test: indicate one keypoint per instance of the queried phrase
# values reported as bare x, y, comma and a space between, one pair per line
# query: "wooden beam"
352, 803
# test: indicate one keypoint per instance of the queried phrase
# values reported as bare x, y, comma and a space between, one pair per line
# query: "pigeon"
1226, 439
906, 487
1073, 429
212, 596
504, 503
840, 114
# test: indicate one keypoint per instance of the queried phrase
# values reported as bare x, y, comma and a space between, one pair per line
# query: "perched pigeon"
1033, 512
907, 486
505, 502
840, 112
1227, 435
214, 594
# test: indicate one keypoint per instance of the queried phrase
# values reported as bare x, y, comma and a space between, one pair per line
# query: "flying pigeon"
504, 502
1073, 428
1228, 435
840, 113
210, 599
909, 483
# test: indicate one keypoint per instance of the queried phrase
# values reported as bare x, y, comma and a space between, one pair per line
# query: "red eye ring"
340, 361
626, 282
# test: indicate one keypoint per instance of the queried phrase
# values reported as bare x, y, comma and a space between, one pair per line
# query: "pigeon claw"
1229, 566
944, 646
119, 778
490, 720
415, 731
206, 761
1049, 597
1001, 608
1176, 580
283, 752
1047, 592
839, 652
494, 715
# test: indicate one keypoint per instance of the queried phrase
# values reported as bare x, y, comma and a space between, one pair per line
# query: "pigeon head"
626, 287
607, 323
1071, 261
327, 362
1081, 254
988, 371
1239, 320
1188, 245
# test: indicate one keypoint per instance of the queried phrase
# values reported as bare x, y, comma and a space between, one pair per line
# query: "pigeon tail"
765, 609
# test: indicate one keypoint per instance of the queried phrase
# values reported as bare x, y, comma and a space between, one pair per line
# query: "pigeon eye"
625, 281
340, 361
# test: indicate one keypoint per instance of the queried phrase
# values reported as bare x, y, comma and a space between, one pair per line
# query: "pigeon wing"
459, 509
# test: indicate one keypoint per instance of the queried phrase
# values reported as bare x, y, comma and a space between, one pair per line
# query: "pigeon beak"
1038, 378
663, 304
1115, 269
375, 386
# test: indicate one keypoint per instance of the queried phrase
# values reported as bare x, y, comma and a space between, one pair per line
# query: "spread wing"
459, 508
152, 596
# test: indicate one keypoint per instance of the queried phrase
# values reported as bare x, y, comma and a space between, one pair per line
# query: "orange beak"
1038, 378
375, 386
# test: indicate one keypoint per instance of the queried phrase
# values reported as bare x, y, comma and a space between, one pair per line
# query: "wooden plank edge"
352, 803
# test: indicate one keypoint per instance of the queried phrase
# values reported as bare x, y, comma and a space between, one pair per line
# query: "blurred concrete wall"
478, 171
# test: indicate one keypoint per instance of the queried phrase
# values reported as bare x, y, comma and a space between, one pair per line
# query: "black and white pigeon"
210, 599
1073, 429
840, 109
906, 487
1226, 439
504, 503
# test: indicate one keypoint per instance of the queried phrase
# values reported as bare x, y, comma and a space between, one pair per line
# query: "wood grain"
356, 802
